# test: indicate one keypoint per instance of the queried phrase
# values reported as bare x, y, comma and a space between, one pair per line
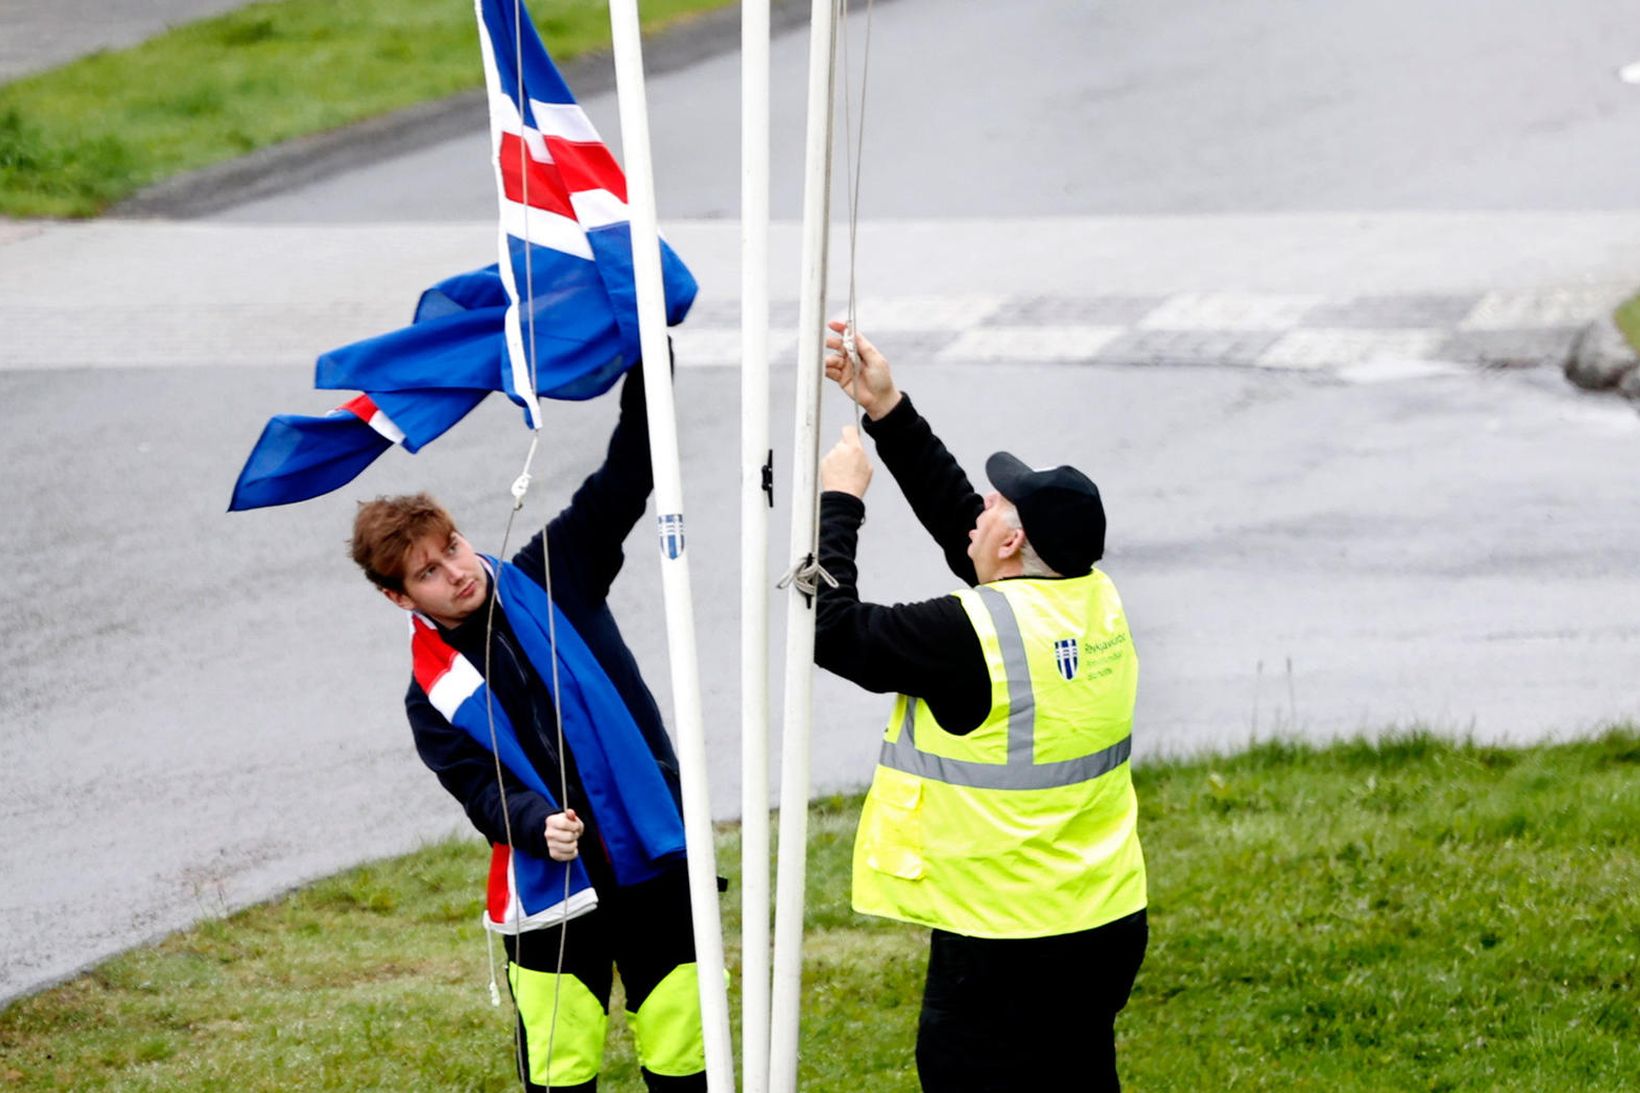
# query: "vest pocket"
893, 834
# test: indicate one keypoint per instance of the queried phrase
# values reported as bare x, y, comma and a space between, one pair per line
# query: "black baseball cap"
1059, 509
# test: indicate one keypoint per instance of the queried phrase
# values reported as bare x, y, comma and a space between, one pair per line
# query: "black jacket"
585, 547
926, 649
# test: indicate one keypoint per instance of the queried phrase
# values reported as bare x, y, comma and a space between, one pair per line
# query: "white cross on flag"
564, 220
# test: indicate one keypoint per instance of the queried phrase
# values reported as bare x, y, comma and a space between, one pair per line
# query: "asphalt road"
1068, 108
200, 710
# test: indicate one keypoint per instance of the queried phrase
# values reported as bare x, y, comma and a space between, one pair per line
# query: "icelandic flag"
564, 219
560, 304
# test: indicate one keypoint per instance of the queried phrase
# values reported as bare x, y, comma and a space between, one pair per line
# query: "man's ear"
399, 599
1011, 545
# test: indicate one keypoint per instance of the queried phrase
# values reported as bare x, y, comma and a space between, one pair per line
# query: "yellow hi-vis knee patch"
576, 1044
667, 1025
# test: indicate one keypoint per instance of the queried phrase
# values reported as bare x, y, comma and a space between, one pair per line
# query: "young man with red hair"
527, 704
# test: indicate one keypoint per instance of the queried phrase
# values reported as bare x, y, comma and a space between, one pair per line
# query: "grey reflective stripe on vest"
1021, 772
1021, 696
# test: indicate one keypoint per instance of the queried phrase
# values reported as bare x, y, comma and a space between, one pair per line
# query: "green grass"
1628, 320
1409, 915
78, 138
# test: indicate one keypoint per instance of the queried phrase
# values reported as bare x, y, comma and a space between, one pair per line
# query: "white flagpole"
754, 545
680, 616
799, 676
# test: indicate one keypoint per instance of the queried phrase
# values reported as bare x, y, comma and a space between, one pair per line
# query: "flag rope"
546, 550
805, 572
853, 160
516, 904
520, 487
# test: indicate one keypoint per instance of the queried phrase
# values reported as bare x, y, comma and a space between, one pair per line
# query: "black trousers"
646, 931
1029, 1014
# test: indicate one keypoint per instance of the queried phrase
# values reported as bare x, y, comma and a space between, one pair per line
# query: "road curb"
306, 160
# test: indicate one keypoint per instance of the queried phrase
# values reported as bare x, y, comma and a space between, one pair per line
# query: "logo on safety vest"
1064, 655
672, 534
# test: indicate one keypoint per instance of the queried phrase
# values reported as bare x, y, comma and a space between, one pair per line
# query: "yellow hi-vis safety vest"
1027, 826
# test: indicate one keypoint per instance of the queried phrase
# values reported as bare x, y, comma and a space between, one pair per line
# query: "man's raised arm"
587, 535
925, 649
934, 484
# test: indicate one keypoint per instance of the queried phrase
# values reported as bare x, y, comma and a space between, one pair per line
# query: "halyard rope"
520, 488
806, 573
853, 159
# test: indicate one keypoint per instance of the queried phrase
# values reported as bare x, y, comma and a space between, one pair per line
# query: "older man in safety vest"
1002, 813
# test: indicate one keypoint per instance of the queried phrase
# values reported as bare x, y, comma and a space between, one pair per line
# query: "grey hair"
1032, 562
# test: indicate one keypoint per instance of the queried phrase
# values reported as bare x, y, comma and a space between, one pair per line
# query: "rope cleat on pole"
806, 574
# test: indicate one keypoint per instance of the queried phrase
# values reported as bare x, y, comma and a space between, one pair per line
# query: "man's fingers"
565, 825
851, 436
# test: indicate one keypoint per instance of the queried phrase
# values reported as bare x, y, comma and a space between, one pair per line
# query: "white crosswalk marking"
1552, 307
894, 313
358, 283
1029, 343
1323, 348
1229, 311
707, 346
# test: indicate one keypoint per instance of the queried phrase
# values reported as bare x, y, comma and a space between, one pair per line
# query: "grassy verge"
78, 138
1413, 915
1628, 320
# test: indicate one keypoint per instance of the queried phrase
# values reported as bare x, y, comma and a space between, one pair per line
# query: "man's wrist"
881, 408
843, 484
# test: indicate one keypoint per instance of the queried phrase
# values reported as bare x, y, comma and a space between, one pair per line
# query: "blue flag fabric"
556, 316
298, 457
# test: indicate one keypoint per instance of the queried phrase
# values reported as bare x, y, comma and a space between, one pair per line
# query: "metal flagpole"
799, 675
756, 498
680, 618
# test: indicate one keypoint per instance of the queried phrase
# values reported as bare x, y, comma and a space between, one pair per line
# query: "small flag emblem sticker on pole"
672, 535
1064, 655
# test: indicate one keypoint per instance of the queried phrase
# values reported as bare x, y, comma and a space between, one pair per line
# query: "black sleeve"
467, 771
931, 479
927, 649
587, 535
